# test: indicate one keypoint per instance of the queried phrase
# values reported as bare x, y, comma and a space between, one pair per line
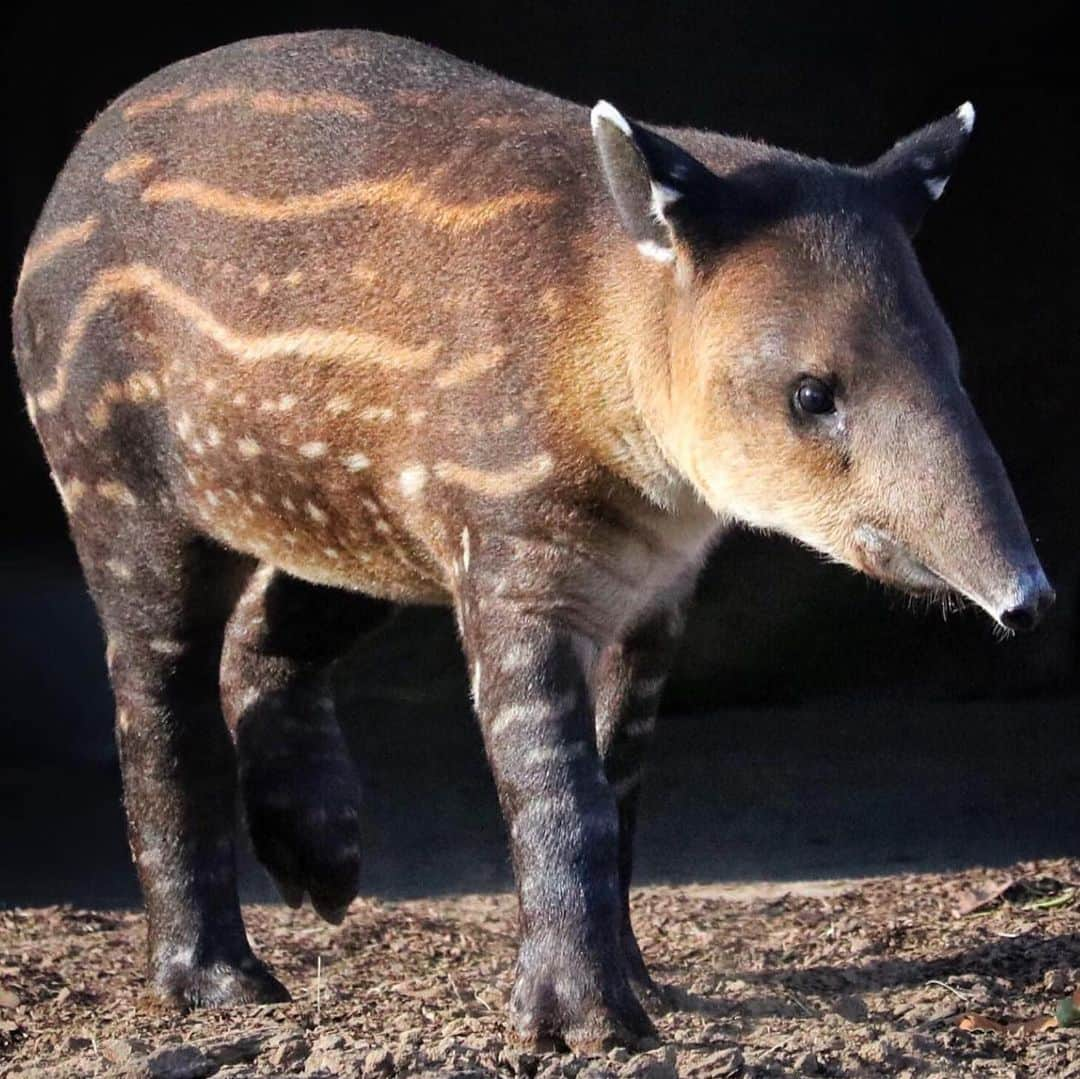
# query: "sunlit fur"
316, 323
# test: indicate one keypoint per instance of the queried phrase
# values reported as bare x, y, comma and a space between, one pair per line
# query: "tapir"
315, 325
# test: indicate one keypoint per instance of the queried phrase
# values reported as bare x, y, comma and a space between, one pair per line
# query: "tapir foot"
305, 828
218, 984
656, 998
553, 1009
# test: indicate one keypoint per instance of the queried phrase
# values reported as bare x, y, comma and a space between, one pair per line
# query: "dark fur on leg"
628, 680
301, 792
178, 765
571, 985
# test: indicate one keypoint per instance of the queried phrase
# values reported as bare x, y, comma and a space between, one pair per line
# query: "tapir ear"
914, 172
652, 180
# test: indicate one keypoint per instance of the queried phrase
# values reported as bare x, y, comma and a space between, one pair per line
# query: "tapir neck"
613, 374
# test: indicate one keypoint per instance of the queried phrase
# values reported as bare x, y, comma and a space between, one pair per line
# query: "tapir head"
811, 384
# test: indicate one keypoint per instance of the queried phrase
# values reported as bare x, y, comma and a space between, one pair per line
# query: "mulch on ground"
971, 973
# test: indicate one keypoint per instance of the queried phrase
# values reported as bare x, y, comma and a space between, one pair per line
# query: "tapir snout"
953, 519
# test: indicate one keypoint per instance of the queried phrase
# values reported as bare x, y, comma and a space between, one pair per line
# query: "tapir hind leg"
163, 596
299, 786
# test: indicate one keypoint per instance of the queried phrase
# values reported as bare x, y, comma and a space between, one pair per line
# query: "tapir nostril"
1025, 616
1019, 619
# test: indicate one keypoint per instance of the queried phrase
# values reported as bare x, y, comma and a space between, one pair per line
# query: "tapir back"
279, 270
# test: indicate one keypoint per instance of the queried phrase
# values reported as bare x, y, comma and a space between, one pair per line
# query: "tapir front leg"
536, 714
628, 679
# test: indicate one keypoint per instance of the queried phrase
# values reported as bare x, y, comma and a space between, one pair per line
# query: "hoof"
604, 1030
578, 1010
305, 829
657, 998
218, 985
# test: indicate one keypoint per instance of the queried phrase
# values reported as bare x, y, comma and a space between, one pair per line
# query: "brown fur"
339, 310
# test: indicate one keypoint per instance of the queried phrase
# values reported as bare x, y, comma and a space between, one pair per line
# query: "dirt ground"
928, 975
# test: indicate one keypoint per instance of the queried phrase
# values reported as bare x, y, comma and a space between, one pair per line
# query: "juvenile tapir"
316, 324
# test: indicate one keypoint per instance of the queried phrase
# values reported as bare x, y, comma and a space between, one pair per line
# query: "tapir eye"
814, 396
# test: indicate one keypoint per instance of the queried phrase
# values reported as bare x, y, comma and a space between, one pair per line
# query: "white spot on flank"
288, 504
213, 436
652, 250
966, 115
935, 185
286, 402
183, 426
604, 110
248, 447
331, 552
116, 492
315, 513
71, 492
356, 462
338, 404
212, 498
465, 549
412, 480
311, 450
119, 569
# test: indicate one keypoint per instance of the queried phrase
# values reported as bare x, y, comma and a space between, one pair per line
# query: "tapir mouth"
1026, 597
886, 558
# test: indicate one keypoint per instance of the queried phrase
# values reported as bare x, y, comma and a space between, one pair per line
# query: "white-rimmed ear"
650, 179
913, 174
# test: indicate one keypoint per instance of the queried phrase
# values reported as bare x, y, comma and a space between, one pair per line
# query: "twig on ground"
952, 989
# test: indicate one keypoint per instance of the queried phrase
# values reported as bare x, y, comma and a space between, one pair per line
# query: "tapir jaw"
1018, 603
885, 558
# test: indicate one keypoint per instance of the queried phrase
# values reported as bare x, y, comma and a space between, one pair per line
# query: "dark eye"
814, 396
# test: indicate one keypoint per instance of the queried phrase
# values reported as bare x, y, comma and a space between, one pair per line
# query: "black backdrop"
773, 626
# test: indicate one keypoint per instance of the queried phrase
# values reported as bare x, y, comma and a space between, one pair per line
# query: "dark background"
815, 726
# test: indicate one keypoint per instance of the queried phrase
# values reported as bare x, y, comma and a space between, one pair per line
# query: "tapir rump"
315, 325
